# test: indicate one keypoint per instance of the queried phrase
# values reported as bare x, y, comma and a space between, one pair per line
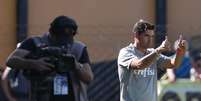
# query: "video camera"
58, 56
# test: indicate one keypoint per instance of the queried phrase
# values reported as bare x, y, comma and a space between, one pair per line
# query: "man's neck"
138, 47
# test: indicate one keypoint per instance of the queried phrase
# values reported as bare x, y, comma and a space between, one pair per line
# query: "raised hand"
165, 46
181, 48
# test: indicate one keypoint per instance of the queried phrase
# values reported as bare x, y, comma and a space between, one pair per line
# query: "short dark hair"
142, 26
59, 24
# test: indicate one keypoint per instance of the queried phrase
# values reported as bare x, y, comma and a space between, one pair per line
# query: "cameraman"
71, 85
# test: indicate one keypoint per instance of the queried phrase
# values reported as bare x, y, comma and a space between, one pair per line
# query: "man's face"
146, 39
65, 37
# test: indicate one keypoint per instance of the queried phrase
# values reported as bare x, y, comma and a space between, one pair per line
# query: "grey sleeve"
162, 60
125, 58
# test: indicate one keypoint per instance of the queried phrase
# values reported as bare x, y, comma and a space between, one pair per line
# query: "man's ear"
74, 32
134, 34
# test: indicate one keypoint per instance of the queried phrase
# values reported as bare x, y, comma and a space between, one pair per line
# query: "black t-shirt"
29, 45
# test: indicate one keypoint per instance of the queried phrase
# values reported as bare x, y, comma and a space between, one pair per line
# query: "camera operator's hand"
76, 64
83, 71
165, 46
42, 65
12, 99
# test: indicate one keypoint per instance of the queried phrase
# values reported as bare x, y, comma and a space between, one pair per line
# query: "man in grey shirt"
138, 64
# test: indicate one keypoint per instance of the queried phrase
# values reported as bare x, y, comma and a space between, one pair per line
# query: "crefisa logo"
145, 72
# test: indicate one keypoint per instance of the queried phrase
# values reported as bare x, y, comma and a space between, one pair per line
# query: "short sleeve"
28, 44
84, 57
125, 58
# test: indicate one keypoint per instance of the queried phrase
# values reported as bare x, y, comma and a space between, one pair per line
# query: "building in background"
104, 27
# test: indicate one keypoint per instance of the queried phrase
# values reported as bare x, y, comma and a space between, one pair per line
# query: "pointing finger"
180, 37
166, 38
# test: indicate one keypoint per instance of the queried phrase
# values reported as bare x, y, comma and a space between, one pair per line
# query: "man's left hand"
181, 48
